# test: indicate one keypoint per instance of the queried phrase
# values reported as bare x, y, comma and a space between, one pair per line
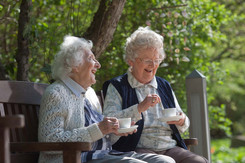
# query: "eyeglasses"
149, 61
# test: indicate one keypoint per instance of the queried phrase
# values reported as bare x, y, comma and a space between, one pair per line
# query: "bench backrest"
20, 97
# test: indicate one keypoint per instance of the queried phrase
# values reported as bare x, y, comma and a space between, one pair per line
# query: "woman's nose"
97, 64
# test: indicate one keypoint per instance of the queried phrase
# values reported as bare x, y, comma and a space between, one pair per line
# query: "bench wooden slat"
25, 157
22, 92
49, 146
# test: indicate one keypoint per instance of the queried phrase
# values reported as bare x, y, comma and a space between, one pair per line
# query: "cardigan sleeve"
183, 128
61, 118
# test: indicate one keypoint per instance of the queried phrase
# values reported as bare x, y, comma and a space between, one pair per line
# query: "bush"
222, 153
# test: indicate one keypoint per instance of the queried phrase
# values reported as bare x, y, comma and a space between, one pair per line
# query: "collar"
134, 83
73, 86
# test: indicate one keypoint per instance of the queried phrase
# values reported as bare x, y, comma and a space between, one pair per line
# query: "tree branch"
220, 55
166, 7
104, 24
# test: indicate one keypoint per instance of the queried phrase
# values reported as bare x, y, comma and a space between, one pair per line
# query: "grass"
222, 153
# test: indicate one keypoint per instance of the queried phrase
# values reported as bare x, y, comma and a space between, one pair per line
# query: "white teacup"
124, 122
169, 112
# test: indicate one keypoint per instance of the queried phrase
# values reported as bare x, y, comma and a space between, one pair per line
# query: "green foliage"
230, 53
220, 124
55, 20
196, 35
49, 22
231, 92
190, 29
222, 153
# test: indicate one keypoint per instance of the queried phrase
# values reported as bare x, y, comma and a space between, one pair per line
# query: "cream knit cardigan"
61, 119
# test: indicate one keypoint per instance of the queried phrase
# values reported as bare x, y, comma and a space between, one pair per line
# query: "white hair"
143, 38
69, 56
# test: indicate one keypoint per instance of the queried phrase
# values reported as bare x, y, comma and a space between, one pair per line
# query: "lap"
153, 158
134, 158
118, 159
180, 155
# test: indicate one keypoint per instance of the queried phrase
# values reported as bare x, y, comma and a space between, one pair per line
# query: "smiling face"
84, 74
145, 66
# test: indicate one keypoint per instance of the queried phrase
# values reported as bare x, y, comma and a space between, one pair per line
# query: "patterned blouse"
156, 134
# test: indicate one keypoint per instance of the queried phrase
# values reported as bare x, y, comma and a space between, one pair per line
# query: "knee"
205, 160
171, 160
196, 159
202, 159
167, 159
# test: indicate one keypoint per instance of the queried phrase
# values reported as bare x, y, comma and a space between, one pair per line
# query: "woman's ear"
131, 63
74, 69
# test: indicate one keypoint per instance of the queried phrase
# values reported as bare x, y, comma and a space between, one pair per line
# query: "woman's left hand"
179, 122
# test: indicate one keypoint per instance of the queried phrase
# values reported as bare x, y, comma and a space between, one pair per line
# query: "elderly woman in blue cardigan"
141, 95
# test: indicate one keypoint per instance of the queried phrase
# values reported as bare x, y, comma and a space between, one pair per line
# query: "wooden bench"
20, 97
7, 122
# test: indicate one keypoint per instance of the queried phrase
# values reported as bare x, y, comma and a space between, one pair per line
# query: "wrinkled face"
144, 67
85, 72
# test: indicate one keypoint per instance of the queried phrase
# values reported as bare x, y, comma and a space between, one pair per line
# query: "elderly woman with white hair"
70, 110
141, 95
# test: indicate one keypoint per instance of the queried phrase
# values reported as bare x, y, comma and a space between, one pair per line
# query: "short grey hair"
70, 55
143, 38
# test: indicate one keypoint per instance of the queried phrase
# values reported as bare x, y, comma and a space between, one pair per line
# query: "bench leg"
4, 145
71, 156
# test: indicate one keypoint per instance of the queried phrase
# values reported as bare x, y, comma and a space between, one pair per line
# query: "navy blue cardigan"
129, 98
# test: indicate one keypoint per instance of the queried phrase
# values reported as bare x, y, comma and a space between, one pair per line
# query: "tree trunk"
2, 72
104, 25
22, 56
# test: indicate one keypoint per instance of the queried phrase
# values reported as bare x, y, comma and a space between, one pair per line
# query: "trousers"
133, 157
180, 155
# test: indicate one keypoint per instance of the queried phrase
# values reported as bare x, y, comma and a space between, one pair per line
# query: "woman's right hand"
108, 125
150, 100
127, 133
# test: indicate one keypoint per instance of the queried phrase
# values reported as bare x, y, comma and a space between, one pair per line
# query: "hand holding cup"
125, 125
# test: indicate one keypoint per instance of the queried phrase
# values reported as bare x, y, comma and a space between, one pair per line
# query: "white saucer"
125, 130
173, 118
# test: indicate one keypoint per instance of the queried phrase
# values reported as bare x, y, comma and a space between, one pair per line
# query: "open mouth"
149, 71
93, 71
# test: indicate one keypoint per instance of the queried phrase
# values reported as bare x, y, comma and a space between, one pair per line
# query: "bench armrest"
190, 142
71, 150
49, 146
14, 121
